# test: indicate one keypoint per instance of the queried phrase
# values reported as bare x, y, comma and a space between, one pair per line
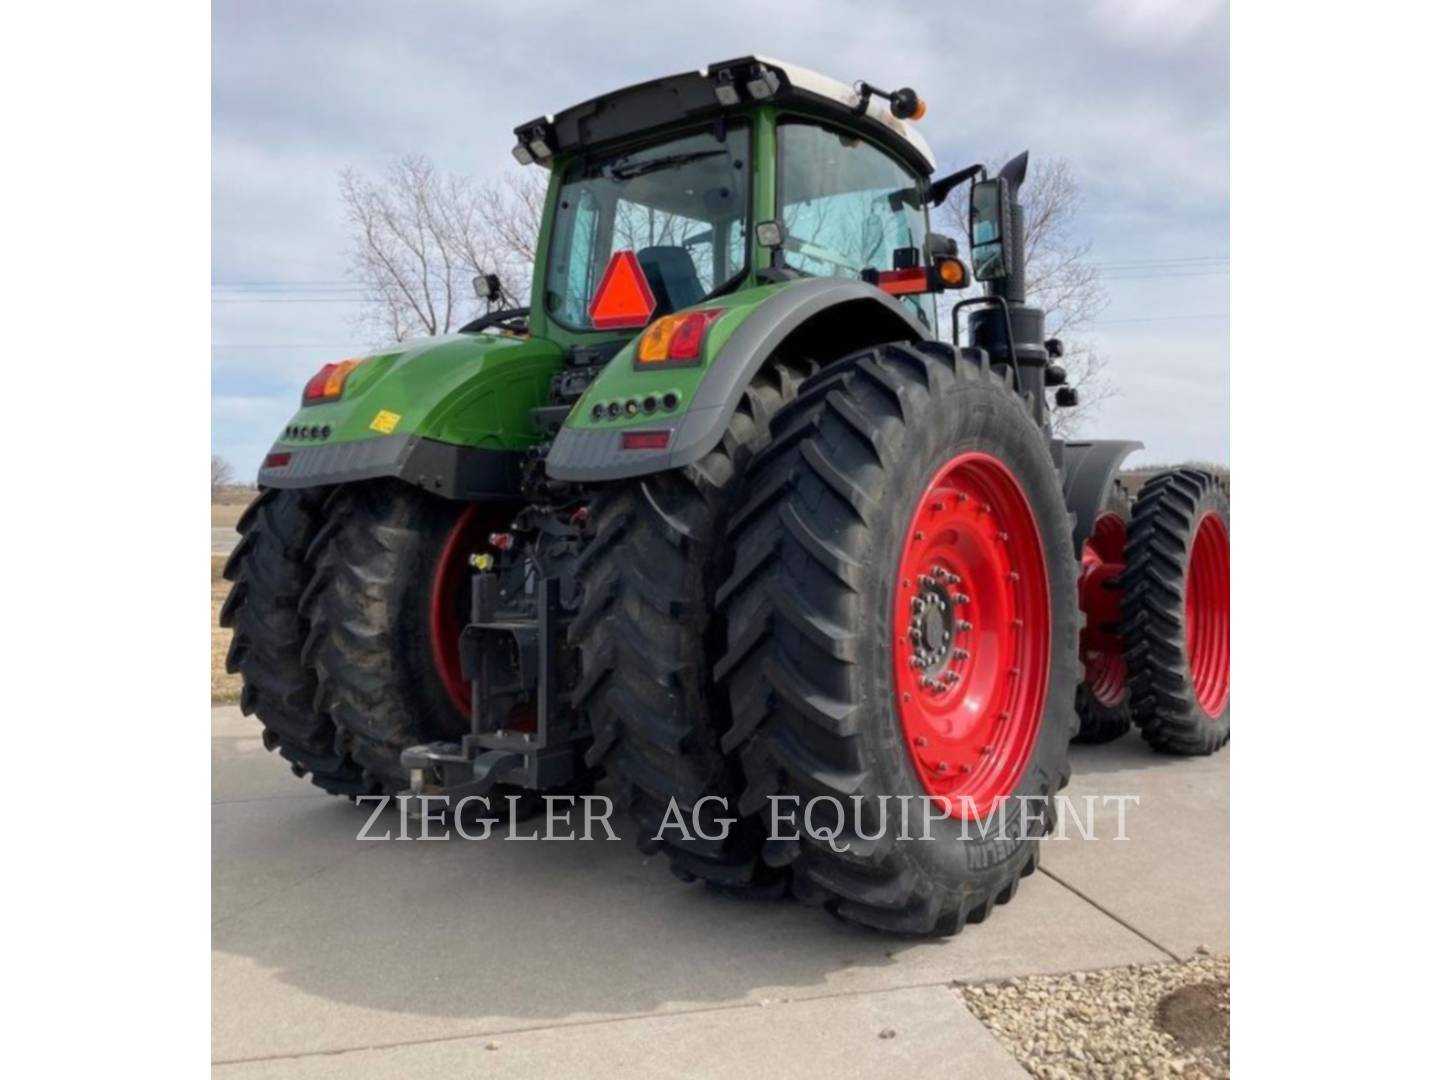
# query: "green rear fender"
451, 414
822, 317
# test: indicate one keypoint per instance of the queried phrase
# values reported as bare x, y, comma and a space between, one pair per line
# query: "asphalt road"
334, 957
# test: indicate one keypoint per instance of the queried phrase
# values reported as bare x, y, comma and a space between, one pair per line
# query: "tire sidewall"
1213, 500
990, 419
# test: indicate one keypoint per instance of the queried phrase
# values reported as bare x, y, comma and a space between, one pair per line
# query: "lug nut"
961, 654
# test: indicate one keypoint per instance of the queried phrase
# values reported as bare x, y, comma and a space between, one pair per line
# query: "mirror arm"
939, 190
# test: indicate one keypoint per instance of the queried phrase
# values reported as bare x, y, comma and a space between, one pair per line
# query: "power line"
1157, 262
1157, 318
352, 347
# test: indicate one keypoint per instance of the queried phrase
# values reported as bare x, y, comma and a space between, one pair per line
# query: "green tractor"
728, 515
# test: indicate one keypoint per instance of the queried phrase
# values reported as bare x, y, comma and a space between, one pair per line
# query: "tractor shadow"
422, 938
503, 931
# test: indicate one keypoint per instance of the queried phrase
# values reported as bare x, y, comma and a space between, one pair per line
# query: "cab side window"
846, 206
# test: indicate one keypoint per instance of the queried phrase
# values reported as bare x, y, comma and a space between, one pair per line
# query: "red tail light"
644, 440
675, 339
328, 383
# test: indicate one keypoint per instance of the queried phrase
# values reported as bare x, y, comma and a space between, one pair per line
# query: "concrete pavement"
332, 955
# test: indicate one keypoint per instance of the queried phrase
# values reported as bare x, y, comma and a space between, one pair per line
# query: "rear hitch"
522, 731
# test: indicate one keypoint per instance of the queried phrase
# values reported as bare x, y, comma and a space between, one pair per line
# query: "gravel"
1144, 1020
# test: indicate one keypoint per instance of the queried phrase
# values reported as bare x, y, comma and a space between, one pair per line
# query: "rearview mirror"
990, 239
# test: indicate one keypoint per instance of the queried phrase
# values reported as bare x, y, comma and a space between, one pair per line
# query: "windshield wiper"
624, 170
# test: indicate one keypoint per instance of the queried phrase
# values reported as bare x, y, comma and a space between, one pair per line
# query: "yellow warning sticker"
385, 421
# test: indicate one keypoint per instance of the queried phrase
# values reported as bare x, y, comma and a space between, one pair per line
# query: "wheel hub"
1207, 615
972, 620
1101, 648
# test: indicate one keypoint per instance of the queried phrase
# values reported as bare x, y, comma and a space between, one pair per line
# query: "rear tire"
377, 649
1176, 601
268, 571
647, 634
1103, 700
814, 668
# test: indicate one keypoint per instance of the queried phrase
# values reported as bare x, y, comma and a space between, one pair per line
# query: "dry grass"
224, 688
227, 504
232, 496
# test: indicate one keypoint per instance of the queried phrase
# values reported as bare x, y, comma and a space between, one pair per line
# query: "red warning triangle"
623, 299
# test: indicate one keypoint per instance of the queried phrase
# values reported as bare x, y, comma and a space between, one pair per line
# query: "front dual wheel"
902, 629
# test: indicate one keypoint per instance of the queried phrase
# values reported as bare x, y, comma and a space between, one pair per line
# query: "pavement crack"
525, 1029
1110, 914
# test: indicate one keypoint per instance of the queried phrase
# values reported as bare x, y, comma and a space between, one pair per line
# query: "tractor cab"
677, 191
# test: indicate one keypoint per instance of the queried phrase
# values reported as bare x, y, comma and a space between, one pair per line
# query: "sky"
1133, 94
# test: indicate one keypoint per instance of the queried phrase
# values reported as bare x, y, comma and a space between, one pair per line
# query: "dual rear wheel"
1155, 588
346, 607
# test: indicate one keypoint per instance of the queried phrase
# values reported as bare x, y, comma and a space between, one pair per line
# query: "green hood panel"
473, 390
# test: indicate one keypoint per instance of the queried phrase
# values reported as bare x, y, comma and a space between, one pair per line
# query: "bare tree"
1059, 279
221, 474
418, 239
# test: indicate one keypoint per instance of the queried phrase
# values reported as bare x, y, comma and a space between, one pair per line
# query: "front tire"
841, 617
1175, 596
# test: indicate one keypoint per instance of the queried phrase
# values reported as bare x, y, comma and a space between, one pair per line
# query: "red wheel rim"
972, 635
450, 603
1105, 671
1207, 615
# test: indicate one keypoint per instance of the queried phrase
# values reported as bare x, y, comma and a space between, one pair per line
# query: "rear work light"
328, 383
675, 340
